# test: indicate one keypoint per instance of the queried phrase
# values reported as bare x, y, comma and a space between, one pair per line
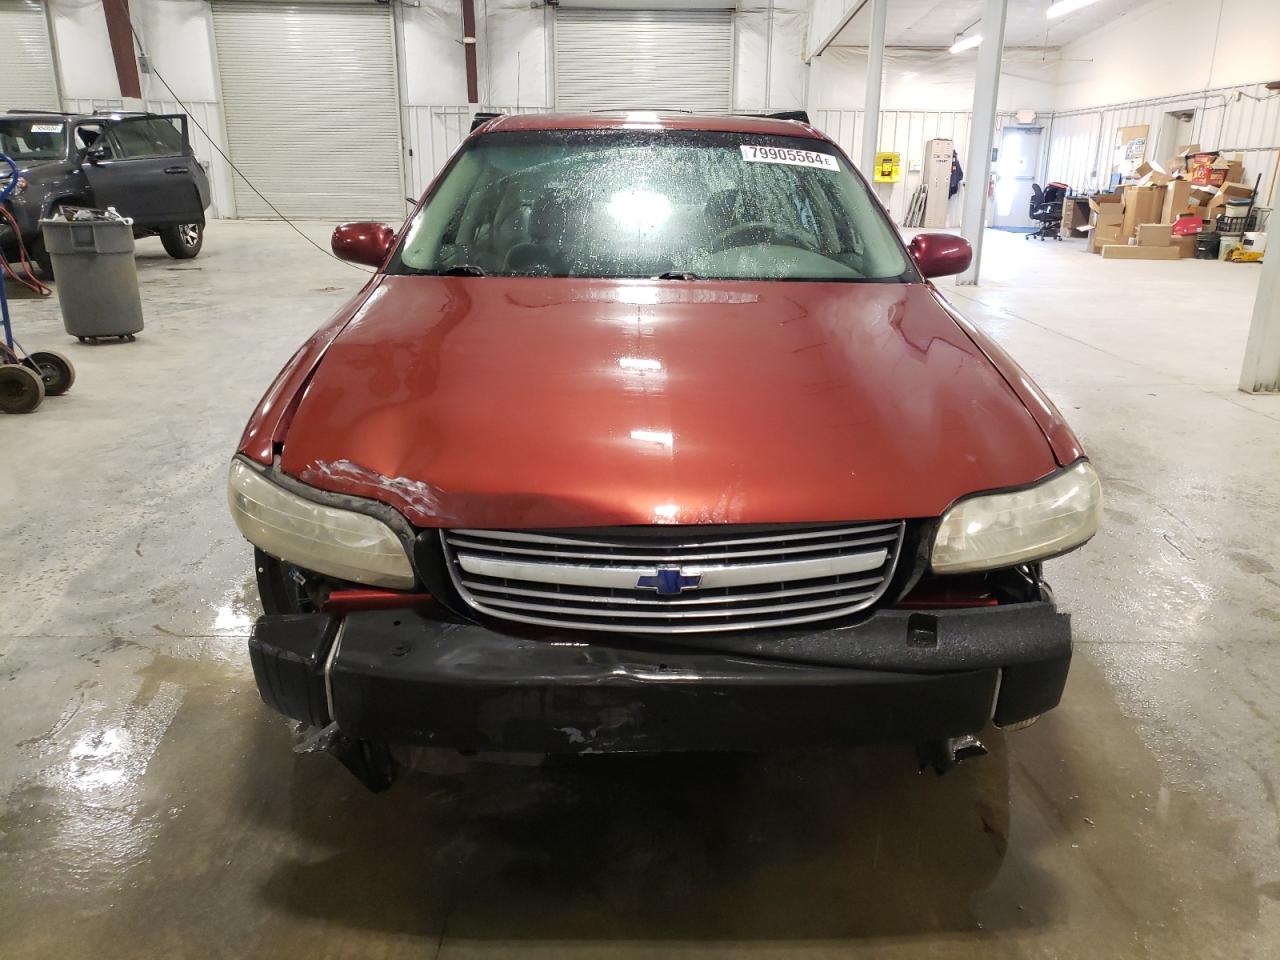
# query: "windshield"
33, 139
640, 203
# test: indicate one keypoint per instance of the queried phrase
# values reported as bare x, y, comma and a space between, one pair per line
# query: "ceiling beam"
835, 31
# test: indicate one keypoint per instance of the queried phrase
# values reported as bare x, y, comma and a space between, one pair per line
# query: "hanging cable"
213, 143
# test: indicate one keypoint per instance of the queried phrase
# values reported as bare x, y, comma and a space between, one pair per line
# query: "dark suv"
139, 163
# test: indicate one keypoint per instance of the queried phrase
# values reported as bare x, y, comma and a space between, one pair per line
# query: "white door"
1175, 132
27, 80
312, 108
1015, 172
644, 59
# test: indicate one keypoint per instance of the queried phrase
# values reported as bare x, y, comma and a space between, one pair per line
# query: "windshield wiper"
464, 270
678, 275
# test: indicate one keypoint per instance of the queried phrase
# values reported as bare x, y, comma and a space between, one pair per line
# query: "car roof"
651, 120
55, 116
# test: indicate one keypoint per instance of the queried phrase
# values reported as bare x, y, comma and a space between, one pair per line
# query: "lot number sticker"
46, 128
796, 158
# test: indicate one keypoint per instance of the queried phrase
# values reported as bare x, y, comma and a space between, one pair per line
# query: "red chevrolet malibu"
650, 434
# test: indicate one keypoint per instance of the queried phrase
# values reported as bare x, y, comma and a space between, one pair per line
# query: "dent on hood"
417, 495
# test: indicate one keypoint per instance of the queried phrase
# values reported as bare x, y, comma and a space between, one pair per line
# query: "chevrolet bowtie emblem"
669, 581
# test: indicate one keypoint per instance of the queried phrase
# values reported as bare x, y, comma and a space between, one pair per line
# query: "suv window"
33, 138
640, 203
143, 137
87, 135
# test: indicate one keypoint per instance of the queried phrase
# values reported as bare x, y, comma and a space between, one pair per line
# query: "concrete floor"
152, 807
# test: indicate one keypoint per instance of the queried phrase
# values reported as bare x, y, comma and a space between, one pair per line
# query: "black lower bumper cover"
401, 677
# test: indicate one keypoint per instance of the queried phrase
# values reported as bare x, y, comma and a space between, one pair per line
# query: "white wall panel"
84, 51
905, 132
435, 132
769, 73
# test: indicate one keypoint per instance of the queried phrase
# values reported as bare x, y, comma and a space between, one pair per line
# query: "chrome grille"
674, 579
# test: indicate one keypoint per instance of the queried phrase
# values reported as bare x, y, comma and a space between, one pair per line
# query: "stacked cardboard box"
1105, 218
1137, 218
1154, 242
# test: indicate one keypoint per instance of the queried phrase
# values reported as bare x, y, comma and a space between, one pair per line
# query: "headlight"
1005, 529
338, 543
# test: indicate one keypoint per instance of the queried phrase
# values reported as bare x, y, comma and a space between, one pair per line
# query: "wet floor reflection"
208, 829
820, 845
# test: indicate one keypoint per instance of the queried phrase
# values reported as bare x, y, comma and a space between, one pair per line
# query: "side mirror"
940, 254
367, 243
97, 152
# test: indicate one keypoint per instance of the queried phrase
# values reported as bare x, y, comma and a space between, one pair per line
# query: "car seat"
542, 255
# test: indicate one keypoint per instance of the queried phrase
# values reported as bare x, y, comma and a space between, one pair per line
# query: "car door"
143, 167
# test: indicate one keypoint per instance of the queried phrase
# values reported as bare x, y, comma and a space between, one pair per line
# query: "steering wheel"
763, 231
12, 185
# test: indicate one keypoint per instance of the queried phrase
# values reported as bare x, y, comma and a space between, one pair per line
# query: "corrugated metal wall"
434, 132
905, 132
1236, 120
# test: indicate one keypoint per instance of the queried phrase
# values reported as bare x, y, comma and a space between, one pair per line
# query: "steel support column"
120, 33
982, 132
469, 50
875, 74
1261, 370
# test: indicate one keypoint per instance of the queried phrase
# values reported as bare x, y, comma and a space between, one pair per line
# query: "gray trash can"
97, 280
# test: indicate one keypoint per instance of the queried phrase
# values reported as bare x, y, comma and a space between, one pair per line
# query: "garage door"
678, 59
312, 108
26, 74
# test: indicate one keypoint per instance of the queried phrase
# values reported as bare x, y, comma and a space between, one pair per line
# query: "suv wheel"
183, 241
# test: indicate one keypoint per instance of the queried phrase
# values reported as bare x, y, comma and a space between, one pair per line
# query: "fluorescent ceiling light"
966, 43
1063, 7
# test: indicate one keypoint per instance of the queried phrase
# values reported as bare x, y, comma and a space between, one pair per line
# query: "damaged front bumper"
396, 676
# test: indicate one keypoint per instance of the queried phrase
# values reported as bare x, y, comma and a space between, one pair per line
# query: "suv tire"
183, 241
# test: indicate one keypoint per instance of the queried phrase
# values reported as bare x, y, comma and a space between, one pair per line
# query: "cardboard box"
1177, 200
1200, 167
1186, 247
1122, 251
1141, 205
1178, 162
1228, 191
1105, 202
1151, 172
1154, 235
1223, 171
1103, 235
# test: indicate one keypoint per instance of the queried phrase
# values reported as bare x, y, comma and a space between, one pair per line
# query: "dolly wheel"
55, 370
21, 389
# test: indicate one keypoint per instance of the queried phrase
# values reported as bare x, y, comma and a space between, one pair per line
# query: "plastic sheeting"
769, 72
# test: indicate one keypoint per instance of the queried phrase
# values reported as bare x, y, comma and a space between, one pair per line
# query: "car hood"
27, 167
550, 402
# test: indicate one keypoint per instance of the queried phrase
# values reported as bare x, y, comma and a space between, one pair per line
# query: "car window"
631, 203
143, 137
87, 134
33, 138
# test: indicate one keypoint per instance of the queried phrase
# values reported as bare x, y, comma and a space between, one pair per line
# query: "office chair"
1046, 210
